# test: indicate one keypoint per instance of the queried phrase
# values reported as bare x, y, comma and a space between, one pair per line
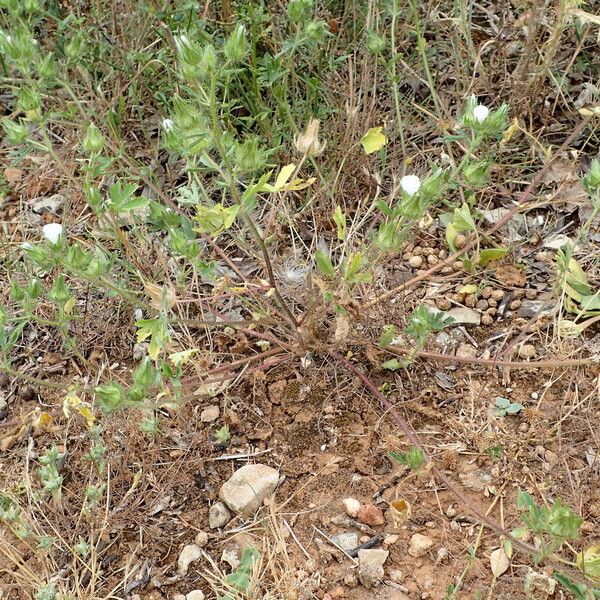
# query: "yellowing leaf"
42, 420
70, 305
180, 358
284, 175
282, 182
373, 140
499, 562
470, 288
589, 561
76, 404
400, 510
510, 132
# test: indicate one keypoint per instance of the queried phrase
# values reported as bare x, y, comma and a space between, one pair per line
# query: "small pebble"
471, 301
531, 294
201, 539
527, 351
457, 266
351, 506
486, 292
415, 262
443, 304
433, 260
487, 319
481, 304
497, 295
460, 241
514, 305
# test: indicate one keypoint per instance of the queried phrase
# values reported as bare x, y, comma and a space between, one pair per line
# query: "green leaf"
514, 408
489, 254
324, 264
391, 365
387, 335
502, 402
133, 204
110, 396
373, 140
463, 221
413, 459
215, 219
339, 218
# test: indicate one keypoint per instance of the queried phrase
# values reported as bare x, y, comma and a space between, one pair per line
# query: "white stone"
201, 539
189, 554
195, 595
464, 316
370, 566
419, 545
218, 515
246, 489
351, 506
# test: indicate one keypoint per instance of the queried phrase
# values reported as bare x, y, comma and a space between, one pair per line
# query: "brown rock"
370, 515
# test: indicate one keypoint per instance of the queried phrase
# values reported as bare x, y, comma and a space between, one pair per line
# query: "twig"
493, 362
240, 456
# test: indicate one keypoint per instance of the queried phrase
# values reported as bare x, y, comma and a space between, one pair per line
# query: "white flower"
410, 184
481, 112
52, 232
167, 125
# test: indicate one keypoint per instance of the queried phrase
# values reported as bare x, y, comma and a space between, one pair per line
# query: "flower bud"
299, 10
236, 46
93, 141
476, 173
308, 142
30, 103
376, 43
591, 181
16, 133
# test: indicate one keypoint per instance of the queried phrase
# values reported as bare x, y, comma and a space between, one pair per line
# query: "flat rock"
370, 566
246, 489
189, 554
218, 515
347, 540
419, 545
210, 414
464, 316
533, 308
48, 204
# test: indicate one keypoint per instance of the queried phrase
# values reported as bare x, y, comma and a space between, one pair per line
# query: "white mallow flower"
481, 112
410, 184
167, 125
52, 232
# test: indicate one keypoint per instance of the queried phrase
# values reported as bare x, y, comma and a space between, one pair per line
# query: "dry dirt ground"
328, 438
